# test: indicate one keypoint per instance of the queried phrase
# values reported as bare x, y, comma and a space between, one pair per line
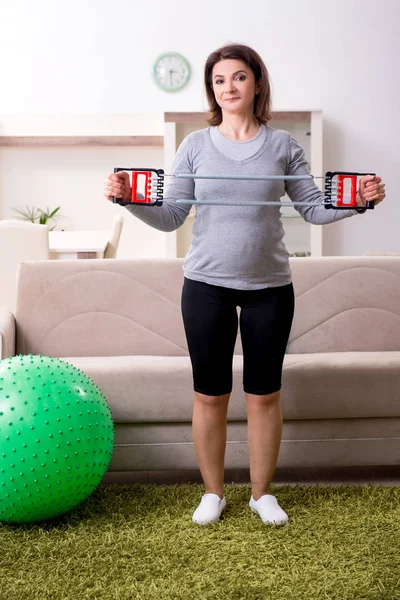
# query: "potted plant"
38, 215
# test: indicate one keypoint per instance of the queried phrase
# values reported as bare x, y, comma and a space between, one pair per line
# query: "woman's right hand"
118, 185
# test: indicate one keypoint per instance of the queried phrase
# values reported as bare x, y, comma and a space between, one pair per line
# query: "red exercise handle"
147, 187
340, 190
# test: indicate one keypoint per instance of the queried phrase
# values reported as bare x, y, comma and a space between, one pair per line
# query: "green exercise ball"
56, 438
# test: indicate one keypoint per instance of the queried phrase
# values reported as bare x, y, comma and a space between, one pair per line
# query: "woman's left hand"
370, 188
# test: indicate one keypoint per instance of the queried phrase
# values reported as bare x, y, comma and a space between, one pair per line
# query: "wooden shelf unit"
81, 140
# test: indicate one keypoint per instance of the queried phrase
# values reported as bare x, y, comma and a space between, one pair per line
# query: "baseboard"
376, 475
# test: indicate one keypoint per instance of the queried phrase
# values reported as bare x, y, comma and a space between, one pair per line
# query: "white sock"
269, 510
209, 509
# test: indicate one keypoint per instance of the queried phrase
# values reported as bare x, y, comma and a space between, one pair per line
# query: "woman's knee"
209, 401
260, 401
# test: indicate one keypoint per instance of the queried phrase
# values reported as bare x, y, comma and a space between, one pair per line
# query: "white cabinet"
306, 127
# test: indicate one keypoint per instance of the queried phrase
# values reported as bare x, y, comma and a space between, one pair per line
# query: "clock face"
171, 71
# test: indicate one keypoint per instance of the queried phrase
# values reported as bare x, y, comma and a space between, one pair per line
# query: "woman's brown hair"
262, 101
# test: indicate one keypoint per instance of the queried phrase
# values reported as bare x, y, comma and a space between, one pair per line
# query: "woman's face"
234, 86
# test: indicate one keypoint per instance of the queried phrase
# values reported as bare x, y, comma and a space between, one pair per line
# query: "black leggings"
211, 324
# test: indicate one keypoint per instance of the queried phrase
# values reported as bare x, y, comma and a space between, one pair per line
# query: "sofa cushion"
159, 388
346, 304
100, 308
340, 385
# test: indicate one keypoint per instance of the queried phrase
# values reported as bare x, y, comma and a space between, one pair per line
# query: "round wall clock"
171, 71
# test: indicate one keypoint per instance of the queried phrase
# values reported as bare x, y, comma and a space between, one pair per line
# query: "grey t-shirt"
238, 150
239, 247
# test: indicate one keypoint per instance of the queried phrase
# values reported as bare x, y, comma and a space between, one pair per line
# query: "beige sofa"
119, 321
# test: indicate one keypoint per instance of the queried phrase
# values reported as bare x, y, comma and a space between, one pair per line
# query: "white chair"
115, 234
20, 241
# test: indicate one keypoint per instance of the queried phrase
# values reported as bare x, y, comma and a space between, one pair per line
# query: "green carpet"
138, 542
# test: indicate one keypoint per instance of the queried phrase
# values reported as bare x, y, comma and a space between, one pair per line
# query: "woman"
238, 258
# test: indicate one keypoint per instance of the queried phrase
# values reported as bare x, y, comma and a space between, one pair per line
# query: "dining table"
78, 244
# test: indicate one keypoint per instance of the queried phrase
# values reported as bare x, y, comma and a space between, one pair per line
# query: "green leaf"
30, 213
37, 215
51, 215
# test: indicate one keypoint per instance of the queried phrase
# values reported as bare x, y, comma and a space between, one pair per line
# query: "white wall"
341, 56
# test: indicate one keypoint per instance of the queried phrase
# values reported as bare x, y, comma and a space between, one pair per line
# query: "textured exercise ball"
56, 438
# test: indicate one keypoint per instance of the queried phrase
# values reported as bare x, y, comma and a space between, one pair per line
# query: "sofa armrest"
7, 333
